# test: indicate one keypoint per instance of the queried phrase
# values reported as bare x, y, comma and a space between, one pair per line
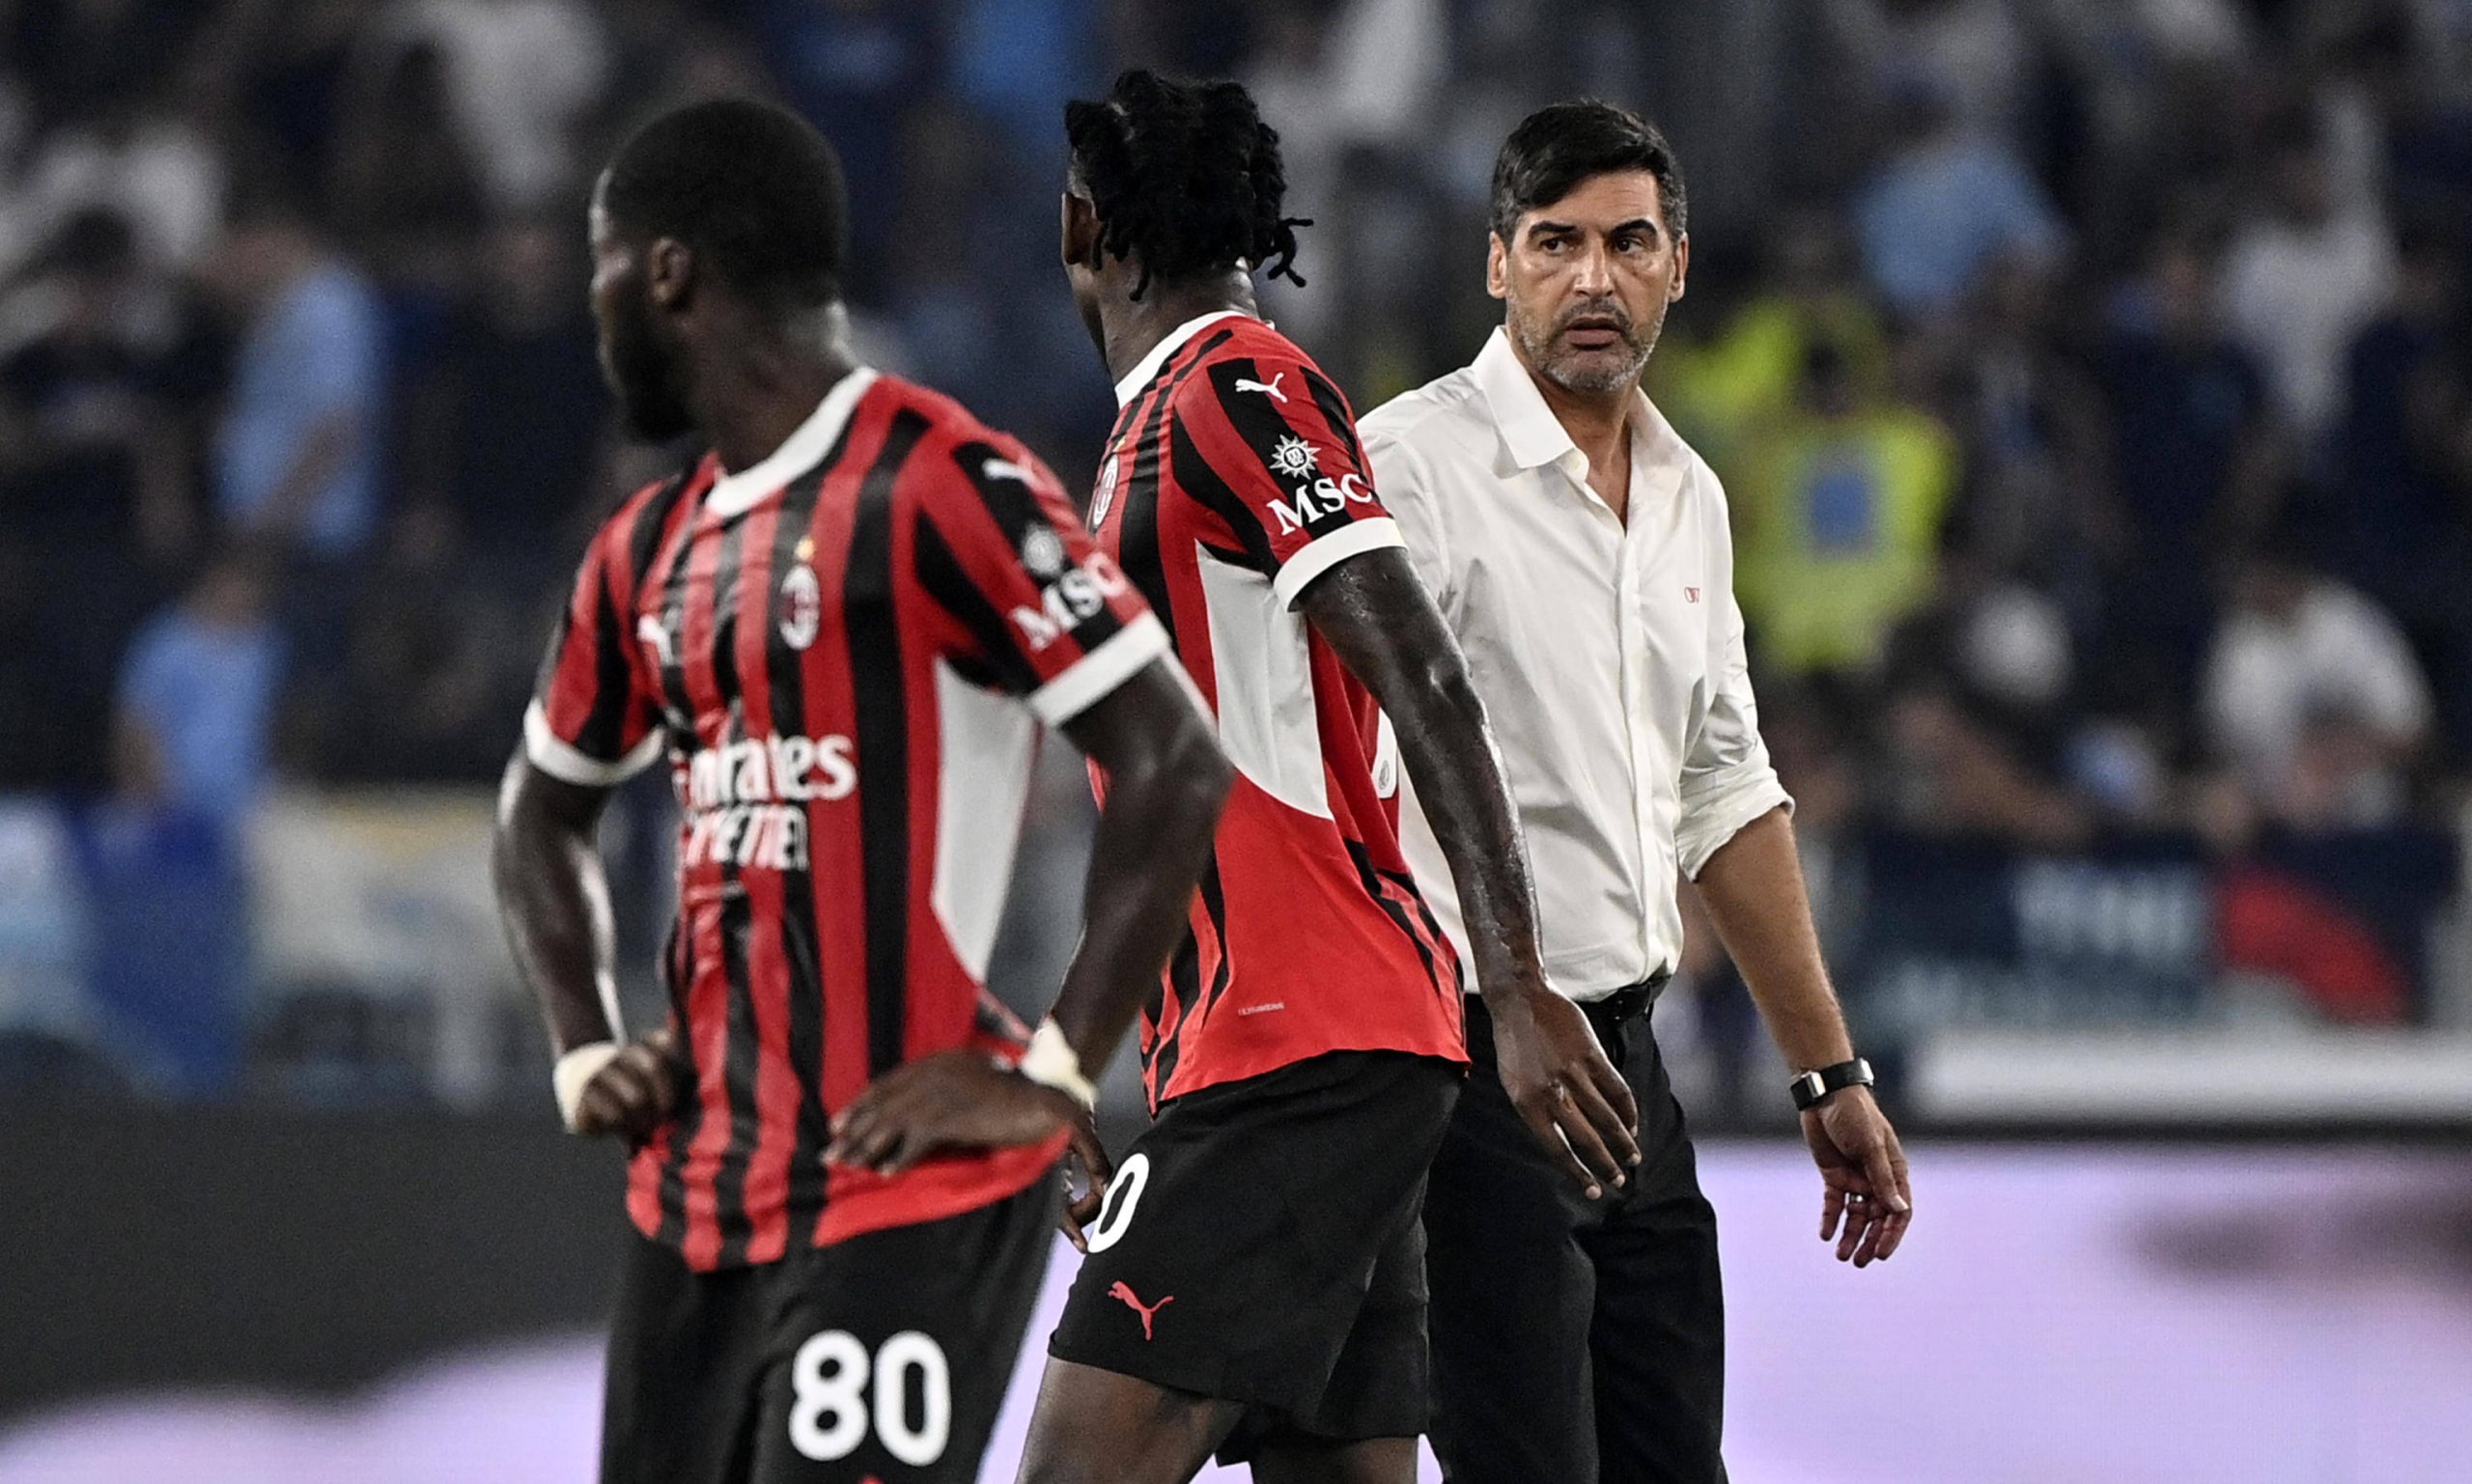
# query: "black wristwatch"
1811, 1088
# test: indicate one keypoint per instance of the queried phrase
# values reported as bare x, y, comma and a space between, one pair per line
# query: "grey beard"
1593, 382
1585, 384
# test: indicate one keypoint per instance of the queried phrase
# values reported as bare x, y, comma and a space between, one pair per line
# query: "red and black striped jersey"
845, 651
1233, 479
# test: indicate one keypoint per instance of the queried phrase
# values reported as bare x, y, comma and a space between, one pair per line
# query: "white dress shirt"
1609, 657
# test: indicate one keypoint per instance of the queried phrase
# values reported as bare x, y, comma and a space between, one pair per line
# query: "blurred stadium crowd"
2092, 379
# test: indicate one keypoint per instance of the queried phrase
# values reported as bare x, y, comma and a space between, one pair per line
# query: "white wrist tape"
576, 1069
1051, 1062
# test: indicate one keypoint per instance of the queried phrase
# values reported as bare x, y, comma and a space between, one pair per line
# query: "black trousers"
1573, 1341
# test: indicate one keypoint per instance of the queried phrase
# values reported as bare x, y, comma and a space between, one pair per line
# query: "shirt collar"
734, 494
1142, 373
1535, 437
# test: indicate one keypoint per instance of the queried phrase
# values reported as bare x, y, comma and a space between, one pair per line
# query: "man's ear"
669, 273
1497, 266
1681, 268
1079, 241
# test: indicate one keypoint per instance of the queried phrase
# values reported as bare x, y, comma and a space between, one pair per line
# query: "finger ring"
1856, 1199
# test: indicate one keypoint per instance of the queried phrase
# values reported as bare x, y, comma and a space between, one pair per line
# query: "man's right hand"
1377, 616
632, 1095
1564, 1088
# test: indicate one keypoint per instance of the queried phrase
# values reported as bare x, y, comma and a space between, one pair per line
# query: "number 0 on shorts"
1115, 1214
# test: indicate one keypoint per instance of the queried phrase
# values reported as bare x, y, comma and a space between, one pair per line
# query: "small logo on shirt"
1295, 458
1005, 468
1264, 1008
1043, 552
1105, 497
1147, 1312
802, 606
1690, 595
1268, 388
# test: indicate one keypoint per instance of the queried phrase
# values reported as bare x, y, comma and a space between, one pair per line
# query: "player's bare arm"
553, 897
1378, 617
1166, 783
1752, 888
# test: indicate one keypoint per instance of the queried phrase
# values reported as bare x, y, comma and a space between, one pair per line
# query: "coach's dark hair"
1560, 147
752, 189
1185, 178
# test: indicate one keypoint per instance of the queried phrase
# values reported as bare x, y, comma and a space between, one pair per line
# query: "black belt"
1624, 1005
1628, 1003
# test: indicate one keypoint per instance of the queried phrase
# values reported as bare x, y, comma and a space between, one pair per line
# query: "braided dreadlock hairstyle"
1186, 178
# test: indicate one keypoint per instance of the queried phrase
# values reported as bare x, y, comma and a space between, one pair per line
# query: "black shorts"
885, 1356
1260, 1244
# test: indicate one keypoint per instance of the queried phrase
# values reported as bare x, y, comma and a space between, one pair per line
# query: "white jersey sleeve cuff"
561, 761
1324, 552
1093, 677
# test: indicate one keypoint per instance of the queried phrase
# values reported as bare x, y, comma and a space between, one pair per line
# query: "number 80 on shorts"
833, 1405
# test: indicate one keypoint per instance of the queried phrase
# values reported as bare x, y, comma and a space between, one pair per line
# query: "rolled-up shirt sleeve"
1727, 780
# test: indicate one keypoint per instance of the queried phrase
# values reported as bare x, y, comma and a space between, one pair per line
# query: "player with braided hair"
1255, 1284
1198, 175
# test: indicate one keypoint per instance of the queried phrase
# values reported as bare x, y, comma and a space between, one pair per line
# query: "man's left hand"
1868, 1203
1097, 1169
952, 1099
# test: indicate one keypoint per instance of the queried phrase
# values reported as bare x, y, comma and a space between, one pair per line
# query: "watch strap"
1811, 1088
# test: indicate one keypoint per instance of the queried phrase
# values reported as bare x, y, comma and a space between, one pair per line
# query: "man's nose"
1593, 275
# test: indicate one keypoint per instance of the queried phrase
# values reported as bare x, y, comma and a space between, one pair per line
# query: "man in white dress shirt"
1579, 549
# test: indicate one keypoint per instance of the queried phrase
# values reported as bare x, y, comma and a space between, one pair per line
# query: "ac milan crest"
1105, 495
802, 606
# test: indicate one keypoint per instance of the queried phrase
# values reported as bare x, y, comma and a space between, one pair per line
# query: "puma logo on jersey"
1268, 388
1135, 1303
653, 632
